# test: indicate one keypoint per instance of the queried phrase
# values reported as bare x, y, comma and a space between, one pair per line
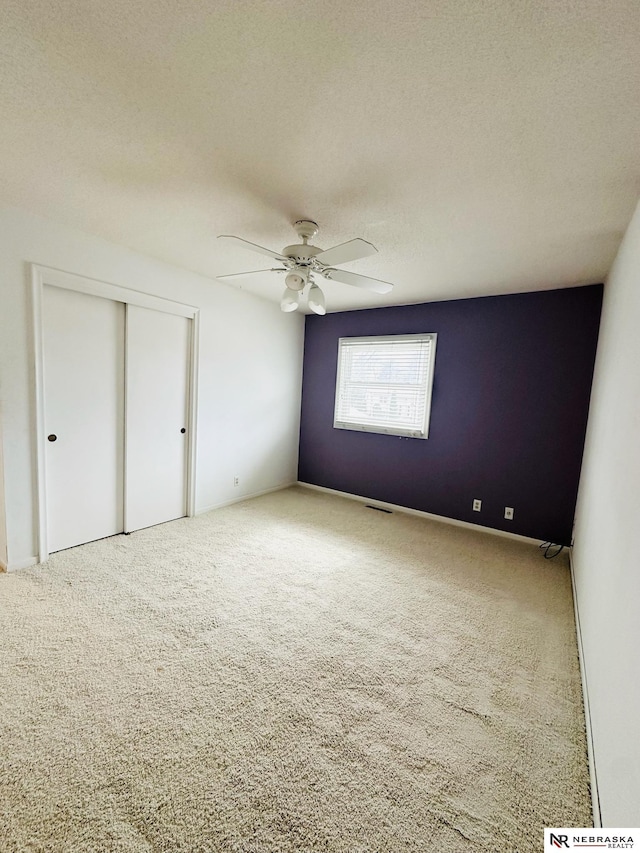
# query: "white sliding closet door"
83, 348
156, 417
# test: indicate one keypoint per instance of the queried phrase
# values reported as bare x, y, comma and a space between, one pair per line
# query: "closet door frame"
41, 276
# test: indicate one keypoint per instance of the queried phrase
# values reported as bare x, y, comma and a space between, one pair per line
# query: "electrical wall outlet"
236, 481
508, 512
477, 505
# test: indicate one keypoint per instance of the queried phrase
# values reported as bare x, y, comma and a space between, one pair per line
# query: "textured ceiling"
484, 147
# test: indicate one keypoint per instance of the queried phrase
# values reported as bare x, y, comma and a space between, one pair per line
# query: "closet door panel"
157, 371
83, 341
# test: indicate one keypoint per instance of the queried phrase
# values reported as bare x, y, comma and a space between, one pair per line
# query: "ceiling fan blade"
352, 250
245, 274
346, 277
253, 247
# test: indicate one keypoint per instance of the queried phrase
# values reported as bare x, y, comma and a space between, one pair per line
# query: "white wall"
3, 530
249, 382
606, 555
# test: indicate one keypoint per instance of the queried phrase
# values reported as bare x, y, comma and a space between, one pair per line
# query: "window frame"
375, 428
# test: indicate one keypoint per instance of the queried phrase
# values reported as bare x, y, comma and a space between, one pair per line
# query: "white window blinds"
384, 384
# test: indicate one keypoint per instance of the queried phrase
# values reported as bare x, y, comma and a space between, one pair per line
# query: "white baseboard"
22, 564
595, 797
443, 518
201, 511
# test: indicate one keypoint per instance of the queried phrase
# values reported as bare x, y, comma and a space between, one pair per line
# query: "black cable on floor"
548, 555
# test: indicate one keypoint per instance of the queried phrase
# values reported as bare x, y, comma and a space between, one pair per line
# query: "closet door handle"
52, 437
183, 430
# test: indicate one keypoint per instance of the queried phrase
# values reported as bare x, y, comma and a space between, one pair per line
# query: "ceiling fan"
301, 262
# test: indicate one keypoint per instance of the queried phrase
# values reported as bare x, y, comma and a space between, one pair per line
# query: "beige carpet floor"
293, 673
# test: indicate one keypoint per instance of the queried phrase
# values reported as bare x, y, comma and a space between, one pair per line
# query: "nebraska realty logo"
571, 838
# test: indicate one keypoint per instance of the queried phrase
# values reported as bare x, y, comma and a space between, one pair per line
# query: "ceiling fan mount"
301, 261
306, 229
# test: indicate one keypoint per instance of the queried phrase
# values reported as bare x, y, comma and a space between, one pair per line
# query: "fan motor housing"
302, 254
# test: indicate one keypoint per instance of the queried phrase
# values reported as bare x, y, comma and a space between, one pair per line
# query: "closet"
114, 414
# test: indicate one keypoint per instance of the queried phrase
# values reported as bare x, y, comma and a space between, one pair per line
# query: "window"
384, 384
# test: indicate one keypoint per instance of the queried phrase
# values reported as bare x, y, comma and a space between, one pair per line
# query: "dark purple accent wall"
508, 416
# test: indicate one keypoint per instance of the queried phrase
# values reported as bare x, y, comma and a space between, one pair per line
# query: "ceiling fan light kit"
315, 300
290, 300
297, 279
301, 261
